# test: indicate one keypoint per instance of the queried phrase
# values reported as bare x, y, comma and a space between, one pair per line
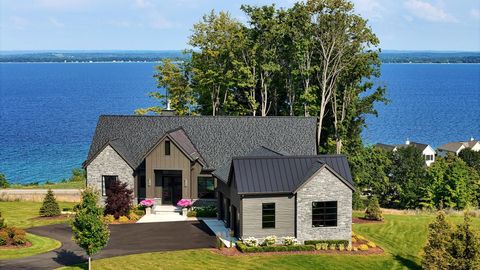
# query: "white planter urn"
184, 211
148, 210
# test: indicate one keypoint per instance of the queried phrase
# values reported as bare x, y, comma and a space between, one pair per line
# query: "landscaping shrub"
205, 211
19, 240
289, 241
269, 240
191, 213
12, 235
373, 211
332, 246
253, 249
123, 219
50, 206
66, 209
349, 248
250, 241
119, 199
109, 218
341, 247
218, 241
363, 247
133, 216
328, 242
3, 181
3, 237
357, 202
371, 244
2, 222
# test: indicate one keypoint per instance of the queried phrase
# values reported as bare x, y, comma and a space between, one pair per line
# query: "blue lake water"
48, 112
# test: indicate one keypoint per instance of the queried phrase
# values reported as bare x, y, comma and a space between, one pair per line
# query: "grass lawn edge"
40, 244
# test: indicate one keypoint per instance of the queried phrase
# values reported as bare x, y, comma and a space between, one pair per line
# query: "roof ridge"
289, 156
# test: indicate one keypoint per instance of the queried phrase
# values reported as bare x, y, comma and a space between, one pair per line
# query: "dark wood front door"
171, 189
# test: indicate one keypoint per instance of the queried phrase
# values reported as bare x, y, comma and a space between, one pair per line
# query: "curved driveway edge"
125, 239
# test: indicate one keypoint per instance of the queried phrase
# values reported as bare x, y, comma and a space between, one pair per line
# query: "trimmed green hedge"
243, 248
329, 242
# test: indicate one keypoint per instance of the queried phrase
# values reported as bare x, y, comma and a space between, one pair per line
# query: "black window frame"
104, 182
322, 214
202, 191
267, 210
167, 146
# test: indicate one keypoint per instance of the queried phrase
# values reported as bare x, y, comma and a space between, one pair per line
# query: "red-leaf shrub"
119, 199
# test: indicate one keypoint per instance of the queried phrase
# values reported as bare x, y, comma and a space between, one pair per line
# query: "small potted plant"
147, 204
185, 204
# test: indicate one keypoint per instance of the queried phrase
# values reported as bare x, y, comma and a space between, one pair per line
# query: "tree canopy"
317, 58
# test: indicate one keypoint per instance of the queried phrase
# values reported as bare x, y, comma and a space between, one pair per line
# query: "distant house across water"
456, 147
427, 151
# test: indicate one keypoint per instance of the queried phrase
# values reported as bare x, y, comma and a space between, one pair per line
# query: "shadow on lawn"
67, 257
410, 264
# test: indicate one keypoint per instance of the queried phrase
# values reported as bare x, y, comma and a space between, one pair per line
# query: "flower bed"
273, 248
12, 237
203, 211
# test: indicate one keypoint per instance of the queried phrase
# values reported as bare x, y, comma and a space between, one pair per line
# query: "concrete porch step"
167, 209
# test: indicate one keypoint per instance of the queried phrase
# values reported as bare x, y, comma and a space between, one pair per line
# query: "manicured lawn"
59, 185
39, 245
401, 236
22, 213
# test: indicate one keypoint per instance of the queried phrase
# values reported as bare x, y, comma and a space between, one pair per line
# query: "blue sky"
166, 24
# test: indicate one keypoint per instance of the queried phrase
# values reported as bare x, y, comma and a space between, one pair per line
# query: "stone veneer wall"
324, 186
109, 162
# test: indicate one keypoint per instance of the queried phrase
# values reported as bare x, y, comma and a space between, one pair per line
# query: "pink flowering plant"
147, 203
184, 203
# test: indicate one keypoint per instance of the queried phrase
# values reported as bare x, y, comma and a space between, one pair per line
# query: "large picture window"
106, 181
324, 214
268, 215
206, 187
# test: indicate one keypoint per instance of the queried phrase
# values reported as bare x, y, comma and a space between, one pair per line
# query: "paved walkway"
124, 239
218, 228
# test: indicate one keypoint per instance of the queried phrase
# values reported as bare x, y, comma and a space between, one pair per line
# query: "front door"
171, 189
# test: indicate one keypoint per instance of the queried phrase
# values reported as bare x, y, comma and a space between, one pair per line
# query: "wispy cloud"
56, 22
428, 12
19, 23
475, 13
63, 4
143, 3
369, 8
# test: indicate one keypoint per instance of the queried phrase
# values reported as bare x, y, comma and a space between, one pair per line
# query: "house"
456, 147
427, 151
169, 157
263, 173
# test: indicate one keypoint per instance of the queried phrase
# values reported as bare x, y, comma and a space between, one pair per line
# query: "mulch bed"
28, 244
116, 222
364, 220
235, 252
61, 217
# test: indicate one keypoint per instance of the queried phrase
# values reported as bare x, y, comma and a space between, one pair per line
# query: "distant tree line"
316, 58
401, 179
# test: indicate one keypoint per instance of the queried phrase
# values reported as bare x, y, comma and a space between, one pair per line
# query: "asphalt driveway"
124, 239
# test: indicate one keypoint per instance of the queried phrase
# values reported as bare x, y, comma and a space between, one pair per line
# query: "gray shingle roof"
218, 138
390, 147
179, 137
451, 147
284, 174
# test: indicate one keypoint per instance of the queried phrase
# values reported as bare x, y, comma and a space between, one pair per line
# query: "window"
268, 215
106, 181
206, 187
324, 214
428, 157
167, 148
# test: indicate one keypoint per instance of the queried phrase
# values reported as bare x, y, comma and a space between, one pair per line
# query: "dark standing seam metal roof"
284, 174
222, 172
217, 138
